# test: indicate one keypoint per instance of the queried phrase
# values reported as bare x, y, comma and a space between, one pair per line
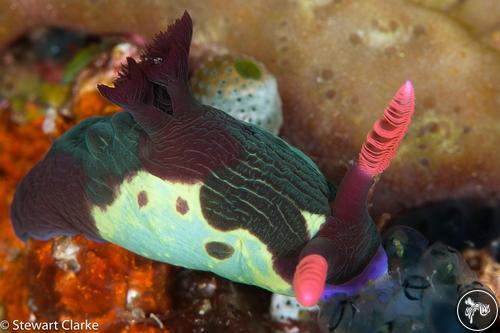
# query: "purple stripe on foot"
375, 269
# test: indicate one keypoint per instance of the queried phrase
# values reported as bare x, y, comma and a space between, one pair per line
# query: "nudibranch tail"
349, 240
387, 133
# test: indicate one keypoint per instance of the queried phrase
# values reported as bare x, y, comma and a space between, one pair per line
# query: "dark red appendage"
349, 239
166, 61
134, 93
382, 142
184, 140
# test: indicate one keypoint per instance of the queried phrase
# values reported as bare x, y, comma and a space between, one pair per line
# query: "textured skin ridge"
354, 248
387, 133
190, 148
270, 185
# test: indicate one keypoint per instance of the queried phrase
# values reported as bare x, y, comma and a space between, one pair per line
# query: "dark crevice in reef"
458, 223
51, 43
203, 302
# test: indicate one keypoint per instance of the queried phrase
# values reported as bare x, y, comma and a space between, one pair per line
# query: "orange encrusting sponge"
383, 140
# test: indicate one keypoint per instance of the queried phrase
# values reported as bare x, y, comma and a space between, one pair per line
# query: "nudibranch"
187, 184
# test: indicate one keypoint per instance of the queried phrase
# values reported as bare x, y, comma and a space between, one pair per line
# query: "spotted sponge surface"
242, 87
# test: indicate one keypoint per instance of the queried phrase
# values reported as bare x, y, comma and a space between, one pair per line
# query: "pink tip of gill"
309, 279
383, 140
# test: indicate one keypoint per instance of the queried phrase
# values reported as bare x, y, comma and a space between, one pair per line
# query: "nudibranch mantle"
187, 184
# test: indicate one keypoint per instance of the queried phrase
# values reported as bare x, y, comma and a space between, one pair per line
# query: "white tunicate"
131, 295
49, 123
65, 253
286, 309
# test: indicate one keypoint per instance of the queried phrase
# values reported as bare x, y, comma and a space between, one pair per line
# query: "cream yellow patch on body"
158, 231
313, 221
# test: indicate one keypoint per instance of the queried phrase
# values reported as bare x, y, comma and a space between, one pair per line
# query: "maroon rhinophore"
348, 241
